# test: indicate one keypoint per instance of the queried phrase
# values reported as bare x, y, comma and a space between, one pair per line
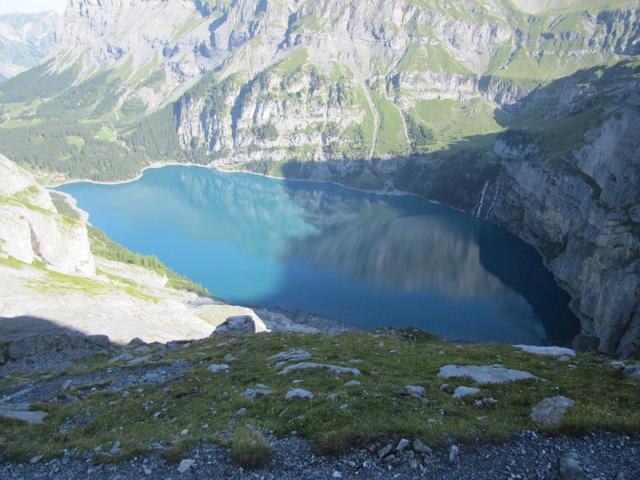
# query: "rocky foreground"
387, 404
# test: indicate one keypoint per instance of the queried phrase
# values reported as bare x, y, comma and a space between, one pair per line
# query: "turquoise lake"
365, 259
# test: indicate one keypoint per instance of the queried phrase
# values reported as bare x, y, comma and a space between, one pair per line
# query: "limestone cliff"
32, 230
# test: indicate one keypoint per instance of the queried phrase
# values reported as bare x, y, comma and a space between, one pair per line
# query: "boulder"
485, 374
550, 411
20, 411
241, 324
462, 392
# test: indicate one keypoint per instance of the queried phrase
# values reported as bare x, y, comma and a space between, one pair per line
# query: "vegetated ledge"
173, 397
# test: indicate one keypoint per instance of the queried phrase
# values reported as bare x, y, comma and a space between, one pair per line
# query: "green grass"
249, 449
103, 246
76, 141
391, 132
106, 134
451, 120
380, 409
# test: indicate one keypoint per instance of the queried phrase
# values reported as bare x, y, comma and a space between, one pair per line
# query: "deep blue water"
369, 260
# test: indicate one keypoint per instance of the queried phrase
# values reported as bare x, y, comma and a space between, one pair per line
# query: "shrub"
249, 448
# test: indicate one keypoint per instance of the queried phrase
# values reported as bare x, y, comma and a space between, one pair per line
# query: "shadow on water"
370, 260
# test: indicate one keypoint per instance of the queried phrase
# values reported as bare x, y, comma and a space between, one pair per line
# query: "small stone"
259, 391
186, 465
462, 392
241, 412
146, 470
488, 402
402, 445
336, 474
298, 393
632, 372
570, 468
416, 391
184, 432
222, 367
352, 384
550, 411
420, 447
413, 465
230, 357
35, 459
384, 451
454, 454
115, 450
344, 406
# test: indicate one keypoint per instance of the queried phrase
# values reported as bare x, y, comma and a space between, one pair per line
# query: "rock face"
33, 230
581, 209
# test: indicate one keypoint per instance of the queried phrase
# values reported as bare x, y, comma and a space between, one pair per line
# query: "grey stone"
454, 454
462, 392
259, 391
420, 447
550, 411
632, 371
21, 412
241, 412
186, 465
296, 355
416, 391
220, 367
115, 449
547, 351
570, 467
310, 365
298, 393
485, 374
403, 444
385, 450
352, 384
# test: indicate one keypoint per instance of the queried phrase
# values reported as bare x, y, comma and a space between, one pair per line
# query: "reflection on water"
367, 259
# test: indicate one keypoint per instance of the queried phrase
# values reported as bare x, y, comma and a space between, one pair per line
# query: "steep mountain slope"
25, 39
521, 112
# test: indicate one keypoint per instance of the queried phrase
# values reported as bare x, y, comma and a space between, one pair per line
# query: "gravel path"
525, 456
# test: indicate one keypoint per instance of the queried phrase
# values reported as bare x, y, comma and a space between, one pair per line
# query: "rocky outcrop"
32, 230
581, 209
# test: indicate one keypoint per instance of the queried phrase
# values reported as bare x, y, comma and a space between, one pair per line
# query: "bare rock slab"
547, 351
550, 411
21, 412
485, 374
311, 366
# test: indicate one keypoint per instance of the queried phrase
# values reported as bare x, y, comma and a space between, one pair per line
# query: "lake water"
366, 259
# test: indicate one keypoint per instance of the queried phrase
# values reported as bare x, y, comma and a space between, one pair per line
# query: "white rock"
547, 351
186, 465
462, 392
352, 384
416, 390
485, 374
298, 393
310, 365
221, 367
292, 355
